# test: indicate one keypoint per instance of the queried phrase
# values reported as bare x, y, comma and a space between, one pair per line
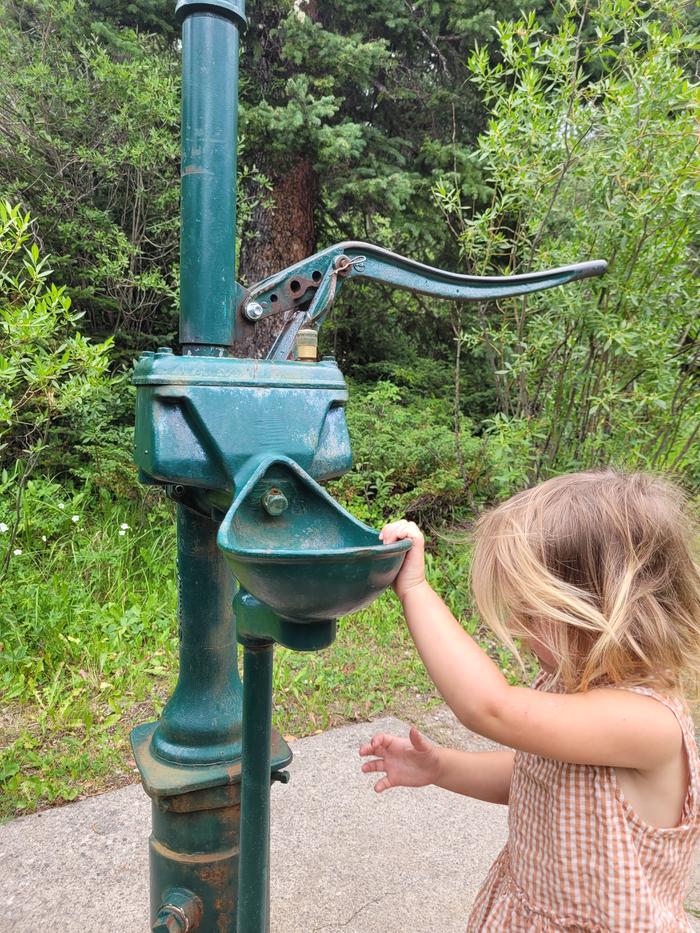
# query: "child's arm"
416, 762
599, 727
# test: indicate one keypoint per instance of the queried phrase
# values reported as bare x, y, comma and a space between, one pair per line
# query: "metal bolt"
170, 920
274, 502
253, 310
181, 913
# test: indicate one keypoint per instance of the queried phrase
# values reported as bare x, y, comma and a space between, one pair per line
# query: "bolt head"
253, 310
274, 502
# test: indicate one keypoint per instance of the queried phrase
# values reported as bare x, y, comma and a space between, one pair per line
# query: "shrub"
48, 370
591, 152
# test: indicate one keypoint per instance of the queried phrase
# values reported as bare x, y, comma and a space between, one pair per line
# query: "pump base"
195, 841
166, 779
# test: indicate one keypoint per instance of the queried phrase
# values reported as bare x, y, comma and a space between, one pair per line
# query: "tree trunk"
280, 232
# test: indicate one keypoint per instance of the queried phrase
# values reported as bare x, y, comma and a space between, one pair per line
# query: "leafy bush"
89, 144
408, 459
48, 370
95, 450
591, 152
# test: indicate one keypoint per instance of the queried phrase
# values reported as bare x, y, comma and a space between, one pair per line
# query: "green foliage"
89, 143
48, 370
373, 95
408, 460
87, 630
369, 92
83, 574
585, 168
95, 449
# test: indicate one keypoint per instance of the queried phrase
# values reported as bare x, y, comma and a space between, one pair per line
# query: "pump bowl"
312, 561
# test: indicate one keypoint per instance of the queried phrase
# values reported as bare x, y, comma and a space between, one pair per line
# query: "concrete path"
344, 859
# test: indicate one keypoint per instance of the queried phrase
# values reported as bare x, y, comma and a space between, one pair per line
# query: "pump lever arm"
312, 284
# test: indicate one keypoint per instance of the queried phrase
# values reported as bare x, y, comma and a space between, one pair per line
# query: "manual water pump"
265, 554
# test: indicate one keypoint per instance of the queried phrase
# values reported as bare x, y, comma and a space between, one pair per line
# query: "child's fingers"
384, 784
377, 764
397, 531
390, 532
418, 741
377, 742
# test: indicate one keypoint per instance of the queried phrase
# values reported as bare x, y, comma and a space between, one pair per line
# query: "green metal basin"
313, 561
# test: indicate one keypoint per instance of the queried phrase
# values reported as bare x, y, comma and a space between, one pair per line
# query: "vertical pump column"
190, 761
208, 290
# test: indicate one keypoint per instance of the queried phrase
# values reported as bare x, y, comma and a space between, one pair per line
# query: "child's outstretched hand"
411, 762
413, 569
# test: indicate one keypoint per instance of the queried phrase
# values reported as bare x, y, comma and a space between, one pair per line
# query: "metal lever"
317, 310
308, 288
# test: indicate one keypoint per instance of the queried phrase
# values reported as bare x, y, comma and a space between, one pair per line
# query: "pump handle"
310, 286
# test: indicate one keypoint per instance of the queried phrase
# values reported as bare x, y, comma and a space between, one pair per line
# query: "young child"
593, 572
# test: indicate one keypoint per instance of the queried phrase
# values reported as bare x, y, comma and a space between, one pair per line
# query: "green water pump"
265, 554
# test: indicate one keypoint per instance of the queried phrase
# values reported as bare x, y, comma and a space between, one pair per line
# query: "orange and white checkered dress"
580, 860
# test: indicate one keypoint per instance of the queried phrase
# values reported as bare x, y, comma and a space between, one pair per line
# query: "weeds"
89, 647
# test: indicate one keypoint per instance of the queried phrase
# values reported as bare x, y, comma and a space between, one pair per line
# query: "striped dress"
580, 860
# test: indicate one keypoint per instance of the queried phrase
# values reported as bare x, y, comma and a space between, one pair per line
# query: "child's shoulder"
606, 725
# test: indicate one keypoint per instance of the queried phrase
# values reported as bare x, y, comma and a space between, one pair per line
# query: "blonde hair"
598, 567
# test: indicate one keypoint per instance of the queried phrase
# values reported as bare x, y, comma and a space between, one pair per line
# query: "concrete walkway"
344, 859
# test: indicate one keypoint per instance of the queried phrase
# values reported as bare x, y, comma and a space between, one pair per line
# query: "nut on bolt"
253, 310
170, 920
274, 502
180, 912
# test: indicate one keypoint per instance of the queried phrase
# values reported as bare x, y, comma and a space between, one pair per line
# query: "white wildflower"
124, 526
43, 537
3, 528
17, 551
75, 518
61, 505
121, 532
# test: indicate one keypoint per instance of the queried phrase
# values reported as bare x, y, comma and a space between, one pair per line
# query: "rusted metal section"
196, 858
195, 846
212, 874
211, 798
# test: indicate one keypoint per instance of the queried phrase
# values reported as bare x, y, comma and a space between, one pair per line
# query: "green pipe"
208, 288
201, 723
254, 859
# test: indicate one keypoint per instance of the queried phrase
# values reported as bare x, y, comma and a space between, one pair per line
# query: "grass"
76, 741
88, 648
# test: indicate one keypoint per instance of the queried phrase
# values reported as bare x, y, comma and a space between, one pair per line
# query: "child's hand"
412, 572
411, 762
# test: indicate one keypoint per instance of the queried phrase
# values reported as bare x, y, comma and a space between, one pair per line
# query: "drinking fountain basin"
294, 548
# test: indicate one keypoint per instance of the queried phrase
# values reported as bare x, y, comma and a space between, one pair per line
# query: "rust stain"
195, 858
216, 875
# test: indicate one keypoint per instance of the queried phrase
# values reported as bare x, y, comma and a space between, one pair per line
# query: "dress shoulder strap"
684, 719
